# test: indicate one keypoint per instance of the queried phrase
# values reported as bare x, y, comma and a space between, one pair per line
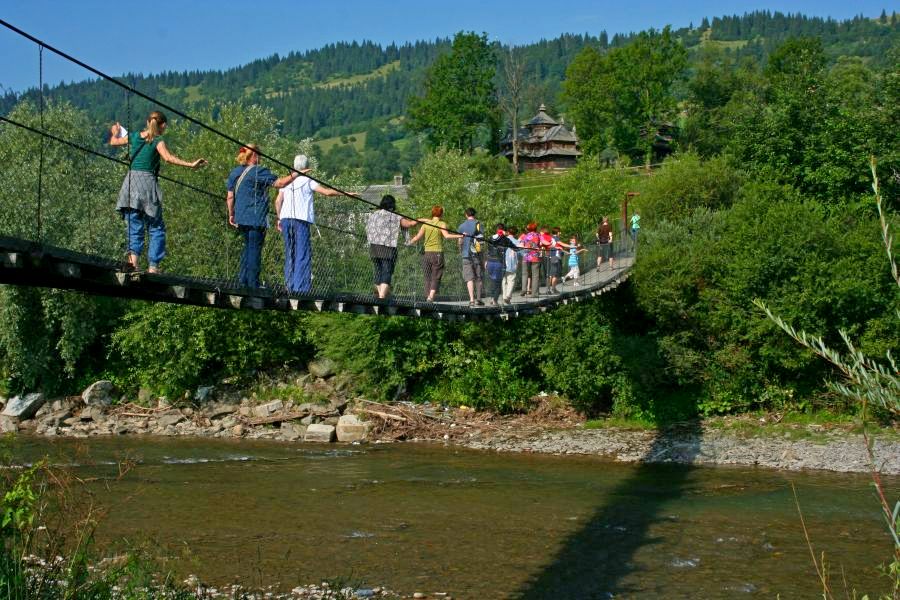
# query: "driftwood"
383, 415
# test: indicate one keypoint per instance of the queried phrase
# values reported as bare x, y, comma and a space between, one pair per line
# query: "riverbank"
550, 428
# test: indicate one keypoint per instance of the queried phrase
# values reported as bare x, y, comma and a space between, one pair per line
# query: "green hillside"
357, 88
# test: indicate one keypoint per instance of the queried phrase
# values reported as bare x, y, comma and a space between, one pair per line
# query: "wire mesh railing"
60, 181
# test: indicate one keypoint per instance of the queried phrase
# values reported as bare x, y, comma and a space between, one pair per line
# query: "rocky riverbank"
331, 413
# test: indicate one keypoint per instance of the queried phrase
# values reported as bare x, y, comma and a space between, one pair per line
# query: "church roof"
542, 118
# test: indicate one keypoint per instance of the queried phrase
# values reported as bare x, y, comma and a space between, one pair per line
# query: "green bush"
698, 276
171, 349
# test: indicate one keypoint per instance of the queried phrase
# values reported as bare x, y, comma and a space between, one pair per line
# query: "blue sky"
161, 35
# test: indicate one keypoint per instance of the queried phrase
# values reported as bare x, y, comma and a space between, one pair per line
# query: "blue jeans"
136, 222
297, 256
634, 237
251, 257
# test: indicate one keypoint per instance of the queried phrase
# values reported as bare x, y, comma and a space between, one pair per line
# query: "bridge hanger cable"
193, 188
193, 120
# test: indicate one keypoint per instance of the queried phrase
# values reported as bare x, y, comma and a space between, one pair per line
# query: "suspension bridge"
59, 229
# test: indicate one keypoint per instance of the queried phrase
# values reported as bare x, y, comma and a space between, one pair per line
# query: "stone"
292, 431
9, 424
351, 429
23, 407
307, 420
91, 413
61, 404
163, 403
323, 410
267, 409
319, 433
42, 411
72, 421
331, 420
170, 419
337, 404
29, 425
245, 411
237, 430
99, 393
55, 419
204, 393
342, 382
322, 367
222, 410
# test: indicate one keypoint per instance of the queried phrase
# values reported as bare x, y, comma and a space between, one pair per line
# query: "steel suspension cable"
180, 113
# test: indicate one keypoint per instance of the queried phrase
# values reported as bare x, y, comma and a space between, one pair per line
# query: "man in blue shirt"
248, 208
470, 250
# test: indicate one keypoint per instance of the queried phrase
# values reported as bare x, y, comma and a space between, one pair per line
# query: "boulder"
99, 393
337, 404
268, 409
204, 393
237, 430
55, 419
221, 410
322, 367
170, 419
351, 429
319, 433
292, 431
23, 407
91, 413
342, 382
9, 424
62, 404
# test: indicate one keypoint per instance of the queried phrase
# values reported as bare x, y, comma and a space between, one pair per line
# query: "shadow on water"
593, 561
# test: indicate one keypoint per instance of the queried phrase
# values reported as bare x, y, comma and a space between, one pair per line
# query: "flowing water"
477, 524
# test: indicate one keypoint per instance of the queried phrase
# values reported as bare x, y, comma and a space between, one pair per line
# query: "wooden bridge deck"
35, 265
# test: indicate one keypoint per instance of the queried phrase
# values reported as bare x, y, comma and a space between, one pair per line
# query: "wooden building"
543, 144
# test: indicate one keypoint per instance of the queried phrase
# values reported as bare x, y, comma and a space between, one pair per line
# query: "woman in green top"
435, 232
140, 198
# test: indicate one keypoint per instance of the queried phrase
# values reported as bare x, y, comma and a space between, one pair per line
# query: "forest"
764, 193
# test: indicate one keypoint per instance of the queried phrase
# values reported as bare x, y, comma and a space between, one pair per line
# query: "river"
477, 524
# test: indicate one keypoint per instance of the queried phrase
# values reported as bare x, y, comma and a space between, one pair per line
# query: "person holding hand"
140, 197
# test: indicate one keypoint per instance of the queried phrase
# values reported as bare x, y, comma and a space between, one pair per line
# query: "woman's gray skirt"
141, 191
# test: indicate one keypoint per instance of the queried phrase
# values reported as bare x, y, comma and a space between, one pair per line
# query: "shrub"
170, 348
